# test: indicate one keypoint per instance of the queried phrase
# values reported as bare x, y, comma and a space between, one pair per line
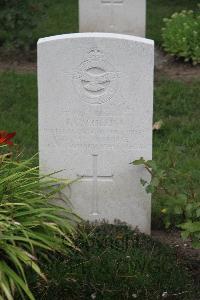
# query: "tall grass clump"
31, 224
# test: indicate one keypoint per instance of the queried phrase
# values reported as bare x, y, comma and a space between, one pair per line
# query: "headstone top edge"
95, 35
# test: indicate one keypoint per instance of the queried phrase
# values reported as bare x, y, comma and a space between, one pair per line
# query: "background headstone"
118, 16
95, 117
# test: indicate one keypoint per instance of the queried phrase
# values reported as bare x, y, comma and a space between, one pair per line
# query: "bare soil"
184, 250
18, 66
166, 65
173, 239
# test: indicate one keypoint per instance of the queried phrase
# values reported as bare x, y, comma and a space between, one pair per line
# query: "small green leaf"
137, 162
192, 227
196, 245
185, 235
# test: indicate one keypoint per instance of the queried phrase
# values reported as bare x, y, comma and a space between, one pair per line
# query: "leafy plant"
17, 20
181, 35
30, 223
180, 207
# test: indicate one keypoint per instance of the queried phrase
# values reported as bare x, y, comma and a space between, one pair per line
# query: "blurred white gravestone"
118, 16
95, 117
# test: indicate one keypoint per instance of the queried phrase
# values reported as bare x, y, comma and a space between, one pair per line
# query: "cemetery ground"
113, 261
176, 103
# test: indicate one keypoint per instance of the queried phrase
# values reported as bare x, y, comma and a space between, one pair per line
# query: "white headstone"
118, 16
95, 117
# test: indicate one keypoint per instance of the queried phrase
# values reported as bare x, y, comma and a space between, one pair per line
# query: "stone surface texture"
117, 16
95, 117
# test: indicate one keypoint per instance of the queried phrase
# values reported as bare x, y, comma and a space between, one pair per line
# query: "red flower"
5, 137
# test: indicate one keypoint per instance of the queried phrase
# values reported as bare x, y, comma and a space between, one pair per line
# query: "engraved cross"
95, 178
112, 3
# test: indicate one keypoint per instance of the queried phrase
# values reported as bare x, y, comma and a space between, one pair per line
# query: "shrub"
181, 35
180, 203
18, 18
115, 262
30, 224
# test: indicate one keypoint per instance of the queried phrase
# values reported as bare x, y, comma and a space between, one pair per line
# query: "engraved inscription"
105, 131
112, 1
87, 141
96, 80
95, 178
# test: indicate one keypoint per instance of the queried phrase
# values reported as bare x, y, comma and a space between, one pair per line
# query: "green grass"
177, 104
115, 263
178, 141
61, 16
18, 102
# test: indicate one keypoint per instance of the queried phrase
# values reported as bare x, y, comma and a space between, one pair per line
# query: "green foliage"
17, 21
23, 22
177, 143
157, 10
61, 16
30, 224
180, 205
115, 262
181, 35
